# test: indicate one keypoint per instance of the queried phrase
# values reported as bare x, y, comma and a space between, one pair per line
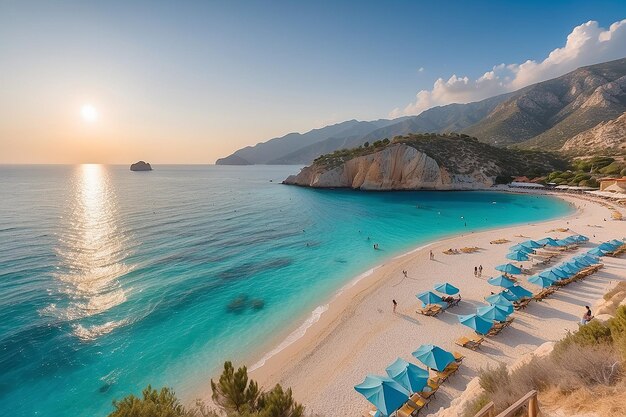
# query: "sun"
89, 113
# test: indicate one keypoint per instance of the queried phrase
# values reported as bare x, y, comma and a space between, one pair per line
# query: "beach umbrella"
554, 275
497, 312
517, 256
385, 393
597, 252
498, 298
569, 268
531, 244
446, 288
476, 322
563, 242
409, 375
520, 248
547, 241
608, 247
571, 239
578, 263
588, 259
519, 292
429, 297
501, 281
509, 269
543, 282
434, 357
616, 242
582, 238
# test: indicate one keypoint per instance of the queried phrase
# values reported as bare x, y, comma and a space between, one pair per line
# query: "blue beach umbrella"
446, 288
617, 243
497, 312
476, 322
578, 263
509, 269
519, 292
553, 274
607, 246
563, 242
588, 259
597, 252
429, 297
498, 298
548, 241
582, 238
520, 248
501, 281
385, 393
543, 282
517, 256
409, 375
434, 357
571, 239
531, 244
569, 267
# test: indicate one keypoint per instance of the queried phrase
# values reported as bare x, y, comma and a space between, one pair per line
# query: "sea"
111, 280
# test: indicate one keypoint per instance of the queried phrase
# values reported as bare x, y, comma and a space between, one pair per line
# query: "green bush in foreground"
233, 393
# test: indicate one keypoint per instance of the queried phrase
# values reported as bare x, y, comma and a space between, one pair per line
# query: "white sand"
359, 334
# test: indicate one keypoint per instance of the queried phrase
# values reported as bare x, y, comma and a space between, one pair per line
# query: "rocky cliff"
415, 162
607, 137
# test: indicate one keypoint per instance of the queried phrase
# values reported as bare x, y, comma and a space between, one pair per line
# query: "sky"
189, 82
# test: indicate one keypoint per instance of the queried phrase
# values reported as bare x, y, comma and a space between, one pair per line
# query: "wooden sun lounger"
431, 310
433, 386
458, 356
520, 305
446, 373
546, 292
469, 343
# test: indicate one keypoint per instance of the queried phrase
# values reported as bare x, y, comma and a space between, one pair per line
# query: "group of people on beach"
478, 271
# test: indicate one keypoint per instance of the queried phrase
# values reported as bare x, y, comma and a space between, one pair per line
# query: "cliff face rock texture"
605, 136
396, 167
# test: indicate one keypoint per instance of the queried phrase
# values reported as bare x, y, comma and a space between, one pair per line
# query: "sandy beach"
359, 333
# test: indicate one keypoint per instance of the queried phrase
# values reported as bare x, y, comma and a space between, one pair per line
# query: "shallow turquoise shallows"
112, 279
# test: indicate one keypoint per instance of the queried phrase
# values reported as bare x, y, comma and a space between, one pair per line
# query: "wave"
93, 332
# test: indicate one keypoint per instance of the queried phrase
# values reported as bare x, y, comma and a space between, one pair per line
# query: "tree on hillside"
153, 403
233, 391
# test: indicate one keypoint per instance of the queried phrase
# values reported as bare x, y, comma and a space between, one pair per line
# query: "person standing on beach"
395, 304
432, 256
480, 270
405, 274
475, 271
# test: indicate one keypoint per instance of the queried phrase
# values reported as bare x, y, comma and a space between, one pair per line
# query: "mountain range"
545, 116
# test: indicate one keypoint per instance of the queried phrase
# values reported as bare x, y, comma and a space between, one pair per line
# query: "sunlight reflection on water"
91, 252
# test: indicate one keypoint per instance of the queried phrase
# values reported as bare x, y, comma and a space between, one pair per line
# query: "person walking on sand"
480, 270
475, 271
395, 304
432, 256
405, 274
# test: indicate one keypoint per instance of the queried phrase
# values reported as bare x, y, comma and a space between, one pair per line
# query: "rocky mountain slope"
541, 116
606, 137
413, 162
545, 115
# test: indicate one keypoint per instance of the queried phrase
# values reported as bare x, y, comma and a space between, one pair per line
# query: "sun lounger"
418, 401
407, 410
546, 292
431, 310
430, 390
446, 373
472, 343
458, 356
522, 304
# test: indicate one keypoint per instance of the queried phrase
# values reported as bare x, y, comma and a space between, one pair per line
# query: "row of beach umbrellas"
523, 250
389, 393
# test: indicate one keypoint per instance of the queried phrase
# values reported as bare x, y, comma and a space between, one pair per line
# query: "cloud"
421, 69
587, 44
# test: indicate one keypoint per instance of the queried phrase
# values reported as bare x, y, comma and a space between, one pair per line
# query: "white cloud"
421, 69
587, 44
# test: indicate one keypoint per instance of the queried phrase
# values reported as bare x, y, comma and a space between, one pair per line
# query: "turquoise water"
110, 280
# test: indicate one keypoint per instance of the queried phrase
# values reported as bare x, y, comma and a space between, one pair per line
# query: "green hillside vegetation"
460, 153
234, 394
586, 172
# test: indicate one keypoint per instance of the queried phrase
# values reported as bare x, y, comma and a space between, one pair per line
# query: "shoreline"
279, 363
333, 307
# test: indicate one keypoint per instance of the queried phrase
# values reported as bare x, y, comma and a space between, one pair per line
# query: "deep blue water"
110, 280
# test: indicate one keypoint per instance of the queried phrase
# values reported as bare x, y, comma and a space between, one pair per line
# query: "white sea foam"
295, 335
93, 332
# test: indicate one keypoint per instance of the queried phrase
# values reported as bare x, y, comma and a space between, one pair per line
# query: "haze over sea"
111, 279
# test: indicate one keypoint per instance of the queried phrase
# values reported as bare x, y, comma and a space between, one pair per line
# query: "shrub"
593, 333
153, 403
475, 406
233, 391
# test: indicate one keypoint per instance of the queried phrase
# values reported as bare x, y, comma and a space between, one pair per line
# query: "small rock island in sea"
140, 166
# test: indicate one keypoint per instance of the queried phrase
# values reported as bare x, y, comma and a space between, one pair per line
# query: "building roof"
623, 179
